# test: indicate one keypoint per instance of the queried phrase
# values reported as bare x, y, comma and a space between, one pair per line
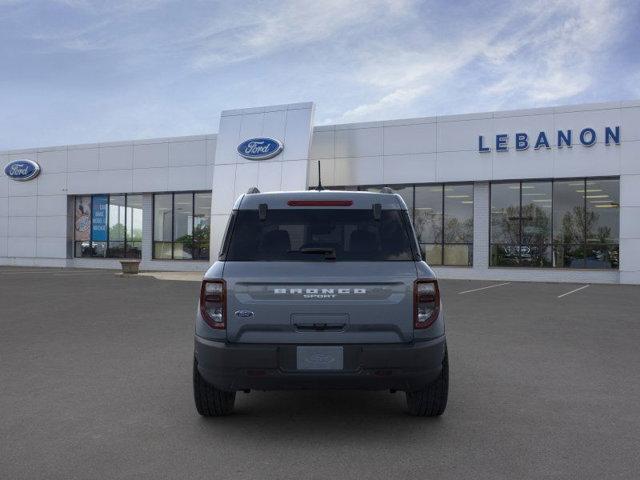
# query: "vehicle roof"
362, 200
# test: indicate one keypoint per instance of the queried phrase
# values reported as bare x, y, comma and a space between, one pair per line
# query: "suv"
315, 290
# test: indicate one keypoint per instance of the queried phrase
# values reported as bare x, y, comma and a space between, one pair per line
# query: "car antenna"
319, 188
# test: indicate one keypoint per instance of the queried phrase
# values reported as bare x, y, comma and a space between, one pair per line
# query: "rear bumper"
273, 367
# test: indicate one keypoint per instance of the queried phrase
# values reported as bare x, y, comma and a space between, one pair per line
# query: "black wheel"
432, 401
210, 402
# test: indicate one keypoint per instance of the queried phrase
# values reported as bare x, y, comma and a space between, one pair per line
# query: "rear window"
319, 234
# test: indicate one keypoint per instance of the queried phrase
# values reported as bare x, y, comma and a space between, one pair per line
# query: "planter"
130, 266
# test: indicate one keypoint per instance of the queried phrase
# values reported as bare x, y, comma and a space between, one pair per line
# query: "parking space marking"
484, 288
573, 291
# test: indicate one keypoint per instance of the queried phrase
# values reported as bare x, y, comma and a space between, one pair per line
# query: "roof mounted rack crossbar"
387, 190
253, 190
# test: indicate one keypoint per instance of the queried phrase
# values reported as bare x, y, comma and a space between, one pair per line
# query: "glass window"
443, 219
320, 234
117, 219
134, 226
535, 231
569, 223
182, 225
458, 224
565, 223
427, 220
201, 223
162, 225
505, 224
108, 226
603, 223
82, 226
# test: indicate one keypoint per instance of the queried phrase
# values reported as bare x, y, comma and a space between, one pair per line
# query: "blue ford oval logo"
22, 170
244, 314
260, 148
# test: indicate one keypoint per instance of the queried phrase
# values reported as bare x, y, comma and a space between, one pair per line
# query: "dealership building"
547, 194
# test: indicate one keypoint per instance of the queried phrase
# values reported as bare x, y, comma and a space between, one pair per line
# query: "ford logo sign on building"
22, 170
260, 148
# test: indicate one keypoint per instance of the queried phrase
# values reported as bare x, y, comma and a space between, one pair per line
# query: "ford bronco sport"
315, 290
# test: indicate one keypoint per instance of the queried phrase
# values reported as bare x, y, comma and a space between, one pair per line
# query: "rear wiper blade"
329, 253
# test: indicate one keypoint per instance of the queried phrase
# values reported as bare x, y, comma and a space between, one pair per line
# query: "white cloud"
288, 24
544, 52
556, 63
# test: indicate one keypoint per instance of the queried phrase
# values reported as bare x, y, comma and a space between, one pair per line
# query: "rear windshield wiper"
329, 253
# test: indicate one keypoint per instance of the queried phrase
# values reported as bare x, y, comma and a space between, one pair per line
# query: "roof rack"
387, 190
253, 190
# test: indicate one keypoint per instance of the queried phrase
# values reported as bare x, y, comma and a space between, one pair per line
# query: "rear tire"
210, 402
432, 401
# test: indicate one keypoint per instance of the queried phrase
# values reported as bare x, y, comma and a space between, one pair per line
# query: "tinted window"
318, 234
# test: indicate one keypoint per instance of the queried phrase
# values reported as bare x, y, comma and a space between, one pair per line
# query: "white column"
233, 175
630, 229
481, 213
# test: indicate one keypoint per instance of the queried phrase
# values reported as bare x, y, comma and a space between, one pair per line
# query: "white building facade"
549, 194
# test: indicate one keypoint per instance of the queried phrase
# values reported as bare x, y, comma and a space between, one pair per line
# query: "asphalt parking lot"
95, 382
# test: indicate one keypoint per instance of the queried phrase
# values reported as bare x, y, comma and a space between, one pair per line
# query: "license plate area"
319, 358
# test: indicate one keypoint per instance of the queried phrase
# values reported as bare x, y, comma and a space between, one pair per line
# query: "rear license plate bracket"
319, 358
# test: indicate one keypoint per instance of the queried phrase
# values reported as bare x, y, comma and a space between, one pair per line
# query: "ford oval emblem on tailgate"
244, 313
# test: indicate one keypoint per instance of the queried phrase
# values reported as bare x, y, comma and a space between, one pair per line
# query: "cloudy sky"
80, 71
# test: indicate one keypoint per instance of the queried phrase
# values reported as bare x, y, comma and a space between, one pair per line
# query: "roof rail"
253, 190
387, 190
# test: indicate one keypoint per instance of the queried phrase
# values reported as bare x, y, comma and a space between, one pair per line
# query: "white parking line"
484, 288
573, 291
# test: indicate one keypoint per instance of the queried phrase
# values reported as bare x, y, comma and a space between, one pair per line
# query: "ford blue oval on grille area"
244, 313
22, 170
260, 148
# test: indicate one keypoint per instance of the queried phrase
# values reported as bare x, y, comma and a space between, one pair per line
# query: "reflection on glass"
564, 224
162, 217
432, 253
568, 212
603, 211
428, 214
134, 226
182, 225
535, 215
505, 213
458, 214
117, 219
201, 225
442, 216
162, 250
458, 255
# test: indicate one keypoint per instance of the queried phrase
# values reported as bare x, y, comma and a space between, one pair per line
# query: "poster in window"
83, 219
99, 220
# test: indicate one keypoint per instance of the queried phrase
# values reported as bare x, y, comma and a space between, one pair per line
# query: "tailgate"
321, 302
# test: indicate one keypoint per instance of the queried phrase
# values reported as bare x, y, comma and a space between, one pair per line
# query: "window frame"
173, 213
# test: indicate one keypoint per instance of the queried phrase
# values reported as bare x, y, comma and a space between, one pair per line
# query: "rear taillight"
426, 303
213, 299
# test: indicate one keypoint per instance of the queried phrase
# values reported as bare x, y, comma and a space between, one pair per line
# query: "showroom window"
442, 216
181, 224
108, 226
563, 224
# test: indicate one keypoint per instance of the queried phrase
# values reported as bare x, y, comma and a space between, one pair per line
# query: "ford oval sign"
260, 148
22, 170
